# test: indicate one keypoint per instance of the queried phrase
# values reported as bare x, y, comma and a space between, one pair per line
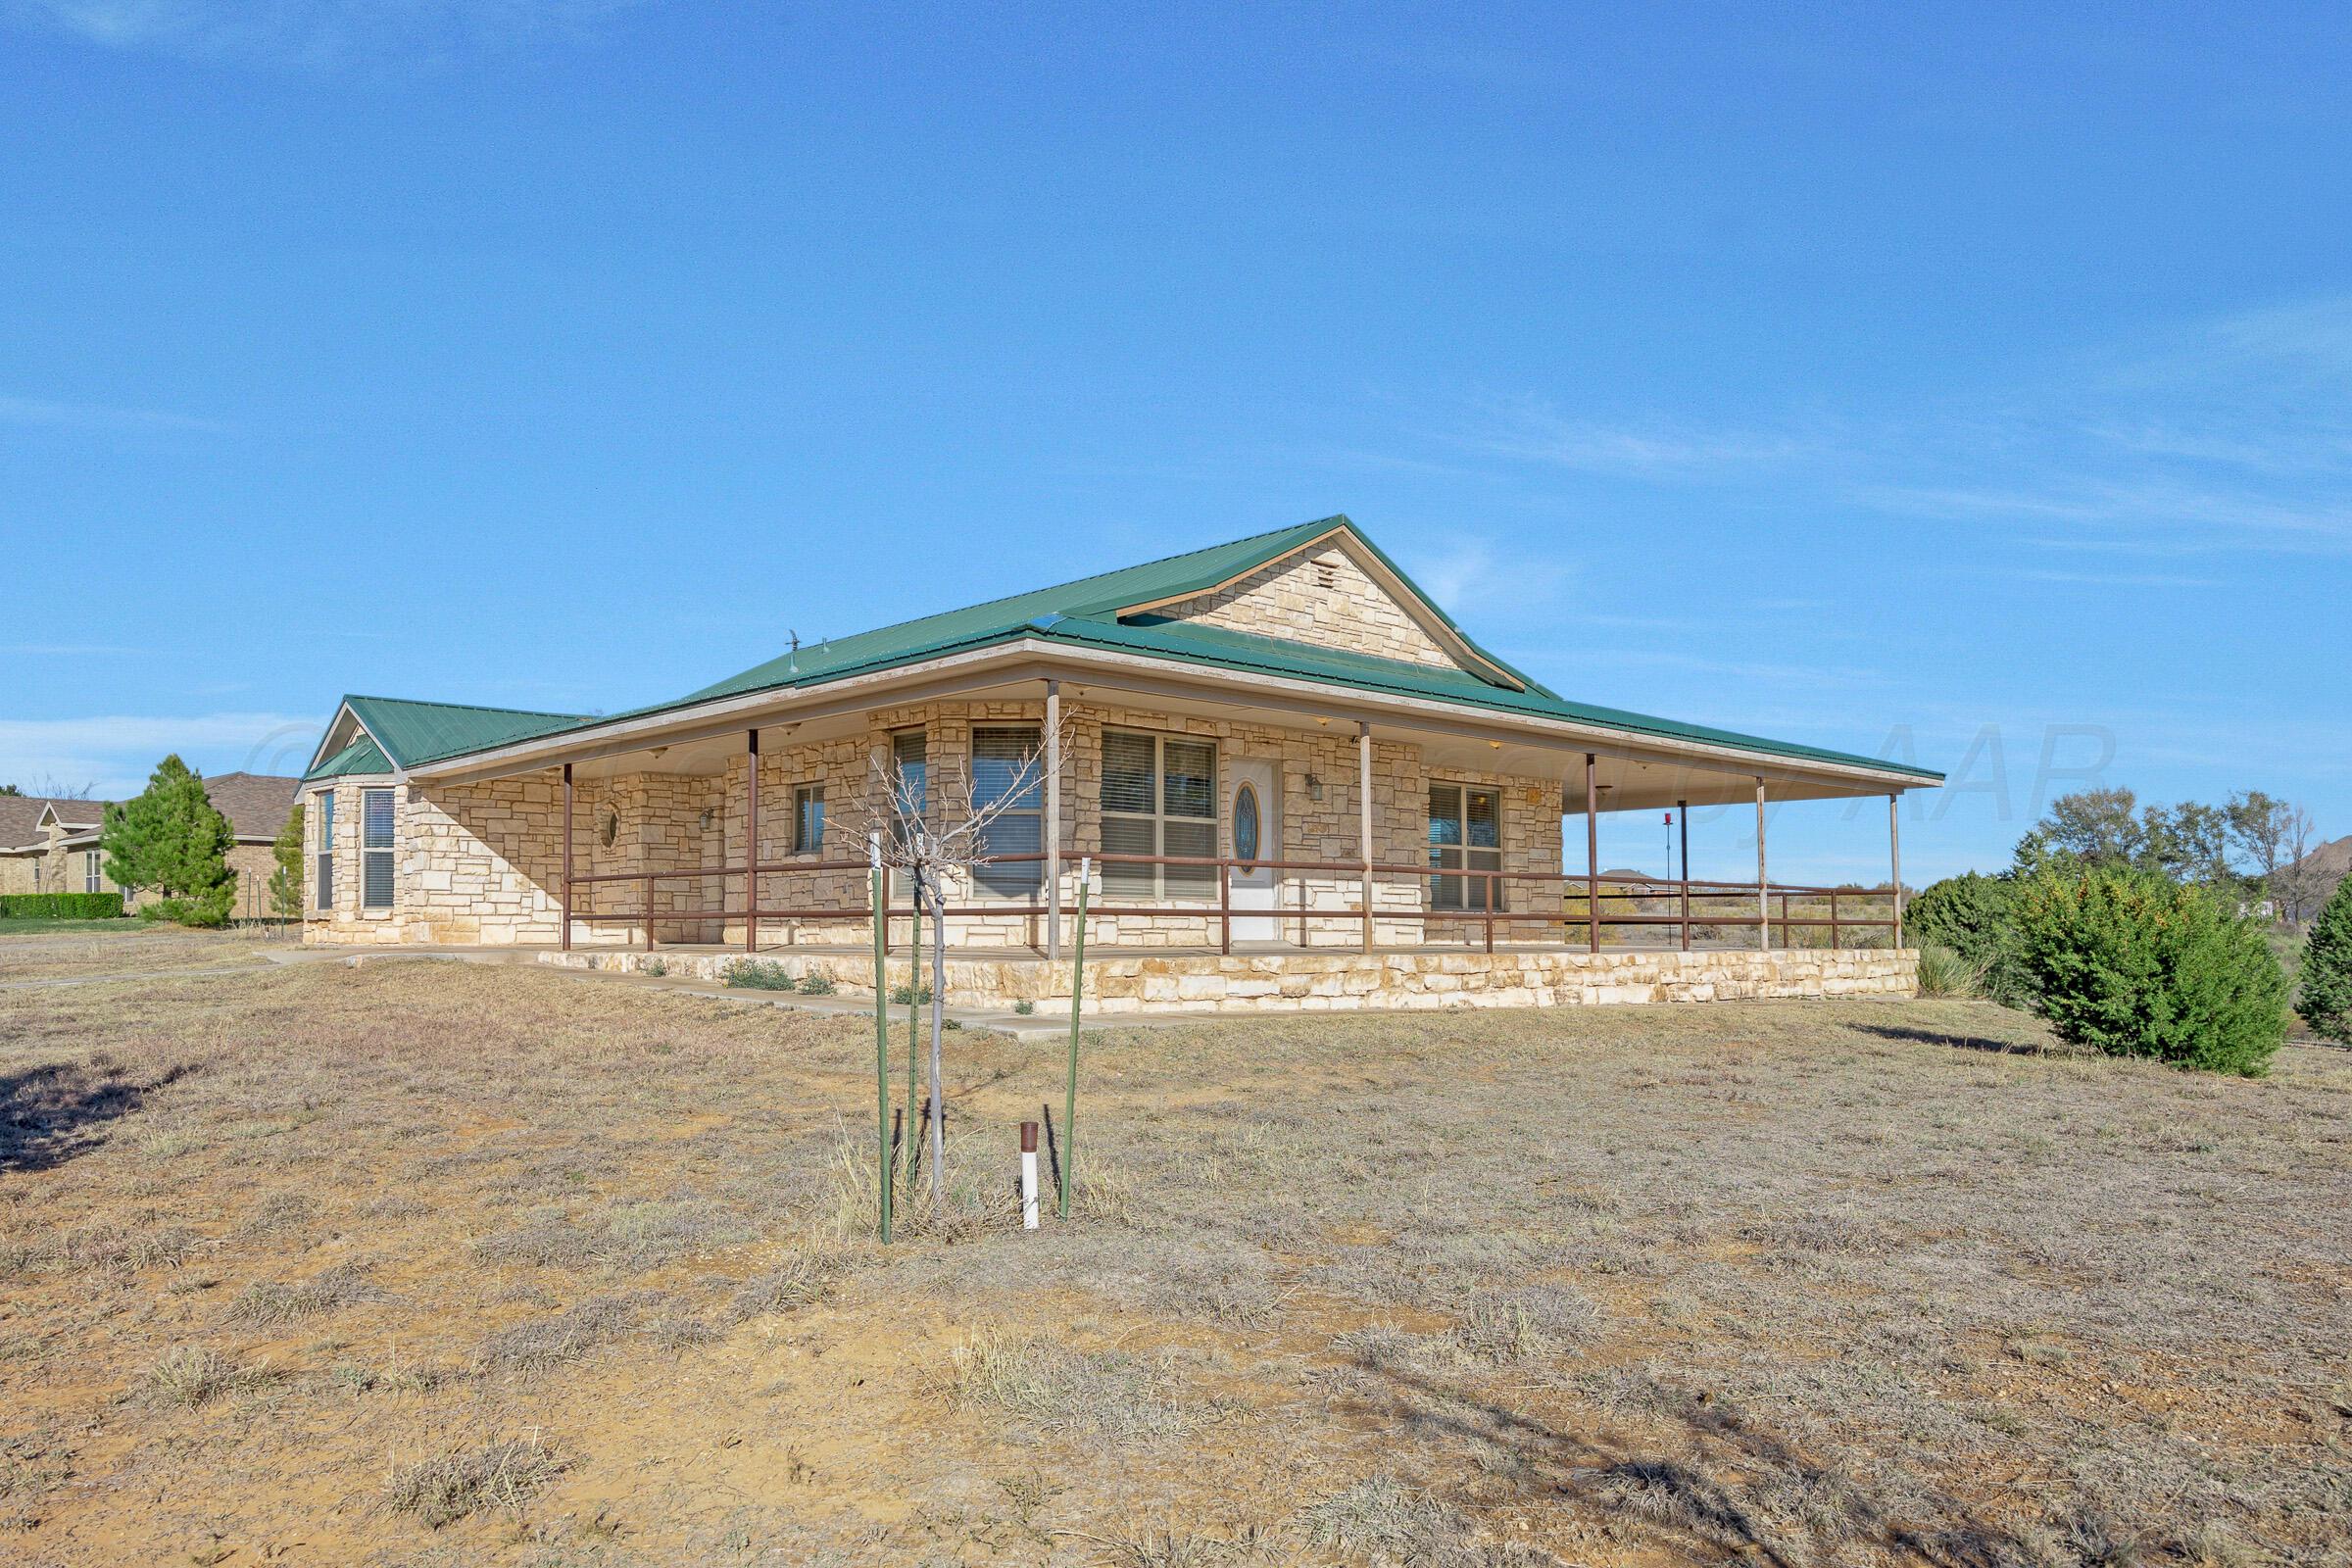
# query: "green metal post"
881, 1051
1069, 1103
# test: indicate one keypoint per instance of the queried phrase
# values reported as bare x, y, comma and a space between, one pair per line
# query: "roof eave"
846, 691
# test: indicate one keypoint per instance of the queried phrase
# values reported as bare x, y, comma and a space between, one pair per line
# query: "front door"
1254, 832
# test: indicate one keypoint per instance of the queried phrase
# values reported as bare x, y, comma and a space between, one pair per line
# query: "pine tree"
173, 841
285, 883
2326, 1001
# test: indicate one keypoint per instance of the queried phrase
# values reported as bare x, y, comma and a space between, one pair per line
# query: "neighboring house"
30, 841
1274, 747
57, 849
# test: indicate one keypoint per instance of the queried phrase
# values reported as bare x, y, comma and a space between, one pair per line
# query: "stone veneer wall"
1347, 982
481, 863
1323, 598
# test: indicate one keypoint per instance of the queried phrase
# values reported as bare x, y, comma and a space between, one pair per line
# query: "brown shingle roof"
255, 804
19, 815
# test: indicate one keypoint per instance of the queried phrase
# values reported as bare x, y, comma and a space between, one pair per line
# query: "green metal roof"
361, 755
1105, 595
1087, 613
409, 733
1194, 642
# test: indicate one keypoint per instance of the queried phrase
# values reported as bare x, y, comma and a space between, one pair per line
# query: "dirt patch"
443, 1265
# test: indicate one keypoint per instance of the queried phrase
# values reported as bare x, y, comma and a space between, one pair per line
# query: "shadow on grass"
1724, 1498
1962, 1041
53, 1112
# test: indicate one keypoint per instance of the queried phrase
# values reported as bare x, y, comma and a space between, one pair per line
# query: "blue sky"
1964, 383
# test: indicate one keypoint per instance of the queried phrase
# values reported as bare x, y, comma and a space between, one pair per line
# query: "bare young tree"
2295, 885
2274, 835
940, 836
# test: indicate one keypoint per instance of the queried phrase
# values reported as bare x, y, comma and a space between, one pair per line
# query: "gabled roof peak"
406, 732
1103, 595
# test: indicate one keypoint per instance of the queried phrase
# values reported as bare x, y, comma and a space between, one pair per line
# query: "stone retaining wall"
1342, 982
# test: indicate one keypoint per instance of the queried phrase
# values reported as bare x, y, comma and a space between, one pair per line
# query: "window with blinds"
323, 849
1008, 773
809, 820
1465, 833
911, 769
1159, 797
376, 849
92, 878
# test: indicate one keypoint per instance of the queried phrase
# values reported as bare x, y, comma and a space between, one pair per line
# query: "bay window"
376, 849
324, 851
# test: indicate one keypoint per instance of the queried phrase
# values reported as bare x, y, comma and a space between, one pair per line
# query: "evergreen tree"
2326, 1001
285, 883
173, 841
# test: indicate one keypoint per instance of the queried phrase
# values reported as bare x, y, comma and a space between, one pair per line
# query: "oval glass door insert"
1244, 824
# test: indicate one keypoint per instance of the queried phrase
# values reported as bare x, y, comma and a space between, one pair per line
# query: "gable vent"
1327, 576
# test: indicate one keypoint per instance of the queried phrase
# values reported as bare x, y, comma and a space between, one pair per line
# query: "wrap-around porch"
1205, 830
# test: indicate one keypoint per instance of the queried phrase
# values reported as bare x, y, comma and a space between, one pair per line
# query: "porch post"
565, 941
1053, 820
1591, 853
1894, 853
1763, 887
1363, 813
1682, 812
750, 843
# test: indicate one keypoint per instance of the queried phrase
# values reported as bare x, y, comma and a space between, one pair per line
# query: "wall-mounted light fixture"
1315, 787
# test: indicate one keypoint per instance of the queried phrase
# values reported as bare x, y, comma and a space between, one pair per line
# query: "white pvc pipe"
1028, 1175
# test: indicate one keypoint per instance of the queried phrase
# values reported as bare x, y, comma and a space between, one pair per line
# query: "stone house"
50, 844
1277, 750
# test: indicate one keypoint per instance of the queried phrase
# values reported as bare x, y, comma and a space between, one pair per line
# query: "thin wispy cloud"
1468, 572
70, 650
115, 753
2315, 333
53, 414
2175, 518
1532, 430
2229, 435
312, 33
2112, 579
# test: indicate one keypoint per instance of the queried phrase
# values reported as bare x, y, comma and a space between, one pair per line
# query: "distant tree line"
2254, 846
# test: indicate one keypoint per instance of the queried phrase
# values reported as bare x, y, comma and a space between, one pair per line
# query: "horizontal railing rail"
1583, 905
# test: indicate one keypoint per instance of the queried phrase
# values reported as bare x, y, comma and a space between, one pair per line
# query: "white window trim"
1160, 818
93, 879
389, 850
322, 849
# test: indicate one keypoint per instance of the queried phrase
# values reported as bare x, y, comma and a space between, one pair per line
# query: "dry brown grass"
436, 1264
